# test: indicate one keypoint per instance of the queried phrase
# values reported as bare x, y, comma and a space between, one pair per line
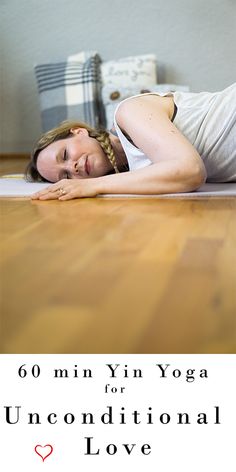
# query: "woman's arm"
163, 177
177, 166
147, 121
169, 176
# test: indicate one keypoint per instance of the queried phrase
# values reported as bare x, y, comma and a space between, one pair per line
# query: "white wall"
194, 41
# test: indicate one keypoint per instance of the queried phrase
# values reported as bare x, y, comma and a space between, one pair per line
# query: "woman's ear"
79, 131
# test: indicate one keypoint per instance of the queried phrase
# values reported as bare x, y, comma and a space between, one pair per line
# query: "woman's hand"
67, 189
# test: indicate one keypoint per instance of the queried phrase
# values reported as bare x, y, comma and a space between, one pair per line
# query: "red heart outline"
40, 455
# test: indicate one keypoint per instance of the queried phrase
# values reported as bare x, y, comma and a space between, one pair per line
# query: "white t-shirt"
208, 121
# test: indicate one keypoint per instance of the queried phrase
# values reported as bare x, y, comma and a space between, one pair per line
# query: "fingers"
45, 191
51, 192
68, 196
63, 190
49, 196
45, 195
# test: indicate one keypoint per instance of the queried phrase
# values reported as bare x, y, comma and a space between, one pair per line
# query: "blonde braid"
103, 138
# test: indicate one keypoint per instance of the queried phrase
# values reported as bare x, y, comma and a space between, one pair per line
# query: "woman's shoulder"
136, 106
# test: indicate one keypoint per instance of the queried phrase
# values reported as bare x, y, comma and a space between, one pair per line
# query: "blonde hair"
61, 132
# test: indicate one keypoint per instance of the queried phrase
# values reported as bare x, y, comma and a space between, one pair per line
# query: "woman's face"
76, 157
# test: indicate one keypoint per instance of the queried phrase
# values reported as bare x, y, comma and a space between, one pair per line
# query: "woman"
159, 144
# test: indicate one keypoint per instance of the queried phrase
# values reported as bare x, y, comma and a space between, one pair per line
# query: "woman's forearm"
158, 178
163, 177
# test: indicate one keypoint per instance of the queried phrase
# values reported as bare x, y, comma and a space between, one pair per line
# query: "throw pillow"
130, 71
70, 89
112, 96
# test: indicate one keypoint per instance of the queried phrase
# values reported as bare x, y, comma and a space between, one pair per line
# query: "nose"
72, 167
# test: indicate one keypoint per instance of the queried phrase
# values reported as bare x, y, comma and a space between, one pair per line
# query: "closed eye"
65, 158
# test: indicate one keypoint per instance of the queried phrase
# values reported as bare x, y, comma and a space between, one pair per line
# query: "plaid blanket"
70, 90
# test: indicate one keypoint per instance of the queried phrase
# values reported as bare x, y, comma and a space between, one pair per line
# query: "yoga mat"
207, 190
15, 186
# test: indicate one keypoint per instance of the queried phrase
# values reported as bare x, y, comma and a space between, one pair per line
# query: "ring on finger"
62, 191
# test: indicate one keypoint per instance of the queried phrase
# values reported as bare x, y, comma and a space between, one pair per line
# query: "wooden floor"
118, 275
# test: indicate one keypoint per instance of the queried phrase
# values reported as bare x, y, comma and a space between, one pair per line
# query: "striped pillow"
70, 90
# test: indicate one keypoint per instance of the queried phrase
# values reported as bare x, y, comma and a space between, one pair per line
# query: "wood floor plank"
118, 275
